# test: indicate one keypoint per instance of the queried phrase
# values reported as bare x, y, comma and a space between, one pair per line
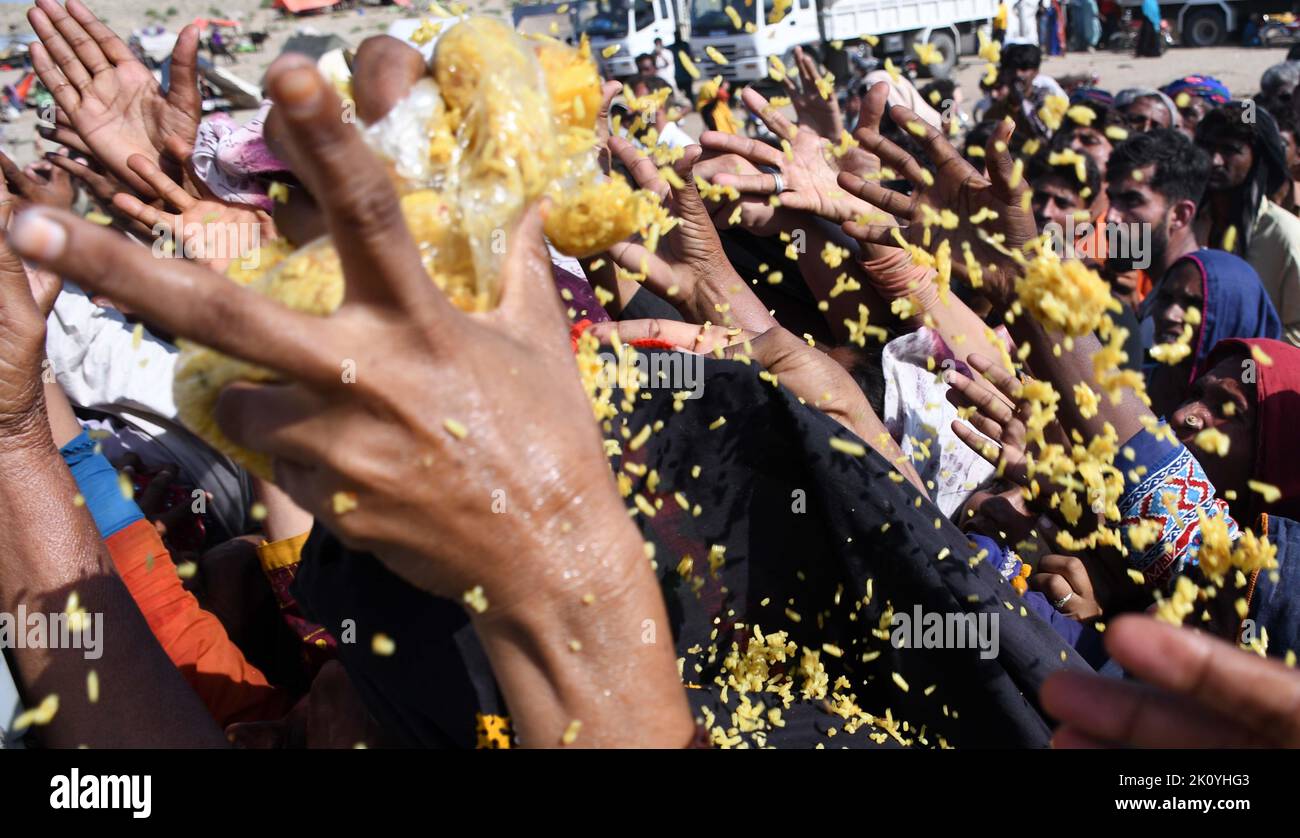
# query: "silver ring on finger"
779, 183
1060, 603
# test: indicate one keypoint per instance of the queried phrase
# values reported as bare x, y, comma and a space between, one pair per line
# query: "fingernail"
37, 236
297, 89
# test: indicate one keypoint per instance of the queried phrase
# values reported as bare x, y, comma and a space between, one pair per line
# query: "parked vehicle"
1126, 38
1208, 23
750, 34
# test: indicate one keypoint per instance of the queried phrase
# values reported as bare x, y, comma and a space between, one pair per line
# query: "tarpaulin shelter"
300, 6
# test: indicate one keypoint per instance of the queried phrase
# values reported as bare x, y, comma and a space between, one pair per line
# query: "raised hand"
111, 100
22, 340
1191, 690
999, 418
756, 213
1001, 198
211, 231
80, 169
40, 183
689, 268
814, 110
434, 403
808, 176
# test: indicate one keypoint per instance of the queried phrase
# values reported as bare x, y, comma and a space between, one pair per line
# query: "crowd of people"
1029, 371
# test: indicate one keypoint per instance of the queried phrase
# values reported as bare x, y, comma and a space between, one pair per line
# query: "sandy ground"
1238, 67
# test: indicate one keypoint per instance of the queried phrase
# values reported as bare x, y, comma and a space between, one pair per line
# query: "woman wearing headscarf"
1085, 24
1261, 379
1149, 43
1195, 96
1231, 302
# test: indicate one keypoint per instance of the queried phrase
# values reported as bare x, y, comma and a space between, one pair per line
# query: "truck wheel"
1204, 28
942, 40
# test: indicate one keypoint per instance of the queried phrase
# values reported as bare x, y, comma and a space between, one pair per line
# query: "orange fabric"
1144, 285
230, 687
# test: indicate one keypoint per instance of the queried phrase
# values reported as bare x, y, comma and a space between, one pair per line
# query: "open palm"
1006, 221
110, 99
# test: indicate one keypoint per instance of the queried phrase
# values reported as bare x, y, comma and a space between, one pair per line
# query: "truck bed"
847, 20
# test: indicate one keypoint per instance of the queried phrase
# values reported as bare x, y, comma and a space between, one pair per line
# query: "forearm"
601, 273
870, 427
64, 426
821, 280
605, 661
963, 332
1073, 365
722, 297
284, 518
49, 548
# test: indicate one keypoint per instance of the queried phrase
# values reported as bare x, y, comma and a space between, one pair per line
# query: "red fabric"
305, 5
1277, 458
576, 330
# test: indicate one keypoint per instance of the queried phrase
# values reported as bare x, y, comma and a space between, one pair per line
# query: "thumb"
528, 294
183, 89
1001, 165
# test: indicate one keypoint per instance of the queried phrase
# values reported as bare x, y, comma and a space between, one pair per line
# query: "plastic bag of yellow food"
502, 122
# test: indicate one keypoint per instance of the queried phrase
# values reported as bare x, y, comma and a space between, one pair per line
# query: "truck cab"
633, 25
778, 26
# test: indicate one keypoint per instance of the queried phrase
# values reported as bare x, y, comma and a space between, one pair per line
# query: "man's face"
1220, 400
1092, 142
1025, 79
1192, 110
1136, 207
645, 66
1230, 161
1146, 114
1179, 291
1292, 154
1055, 200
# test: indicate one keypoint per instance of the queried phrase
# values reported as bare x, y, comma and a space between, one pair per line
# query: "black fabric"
814, 561
645, 305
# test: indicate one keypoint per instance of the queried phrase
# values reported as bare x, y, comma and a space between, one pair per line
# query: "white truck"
778, 26
633, 26
1208, 23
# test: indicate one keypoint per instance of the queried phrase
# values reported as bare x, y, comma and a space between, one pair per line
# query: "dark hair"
1293, 54
978, 136
645, 56
1021, 57
1231, 121
1181, 168
866, 366
945, 88
650, 83
1287, 121
1248, 122
1040, 166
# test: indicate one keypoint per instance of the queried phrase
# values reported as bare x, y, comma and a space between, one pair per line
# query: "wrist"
592, 645
26, 434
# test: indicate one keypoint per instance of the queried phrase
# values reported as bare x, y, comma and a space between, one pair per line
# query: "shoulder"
1281, 228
